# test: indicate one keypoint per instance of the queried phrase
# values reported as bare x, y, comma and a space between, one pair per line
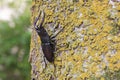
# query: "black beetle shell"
48, 52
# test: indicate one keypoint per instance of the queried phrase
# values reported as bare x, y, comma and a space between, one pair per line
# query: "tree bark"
86, 48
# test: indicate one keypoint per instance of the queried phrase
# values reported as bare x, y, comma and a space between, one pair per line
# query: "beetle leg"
45, 62
53, 37
53, 40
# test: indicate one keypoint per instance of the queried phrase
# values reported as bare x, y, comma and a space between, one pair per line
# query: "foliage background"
14, 41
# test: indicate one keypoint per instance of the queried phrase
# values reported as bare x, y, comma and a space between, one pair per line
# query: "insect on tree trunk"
74, 39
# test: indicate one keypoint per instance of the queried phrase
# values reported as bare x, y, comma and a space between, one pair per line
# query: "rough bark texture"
89, 45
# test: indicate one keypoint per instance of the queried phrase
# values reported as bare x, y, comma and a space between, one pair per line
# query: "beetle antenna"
42, 19
36, 19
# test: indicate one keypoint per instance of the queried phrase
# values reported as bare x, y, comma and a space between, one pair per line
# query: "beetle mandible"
47, 42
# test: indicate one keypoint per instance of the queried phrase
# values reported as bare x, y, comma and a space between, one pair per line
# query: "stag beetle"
47, 42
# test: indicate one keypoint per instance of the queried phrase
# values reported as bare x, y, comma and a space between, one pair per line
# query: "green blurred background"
14, 39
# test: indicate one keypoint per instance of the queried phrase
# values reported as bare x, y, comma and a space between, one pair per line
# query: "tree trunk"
87, 47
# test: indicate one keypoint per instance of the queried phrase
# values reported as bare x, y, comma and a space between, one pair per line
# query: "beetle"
47, 42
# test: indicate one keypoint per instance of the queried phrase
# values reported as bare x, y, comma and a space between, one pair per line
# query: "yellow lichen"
86, 46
